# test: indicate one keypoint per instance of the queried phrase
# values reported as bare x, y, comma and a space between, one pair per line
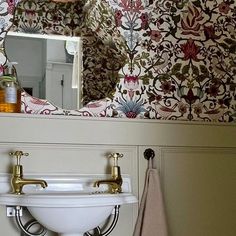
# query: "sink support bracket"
110, 228
25, 228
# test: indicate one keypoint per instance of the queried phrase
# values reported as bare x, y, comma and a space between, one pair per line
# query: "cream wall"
196, 161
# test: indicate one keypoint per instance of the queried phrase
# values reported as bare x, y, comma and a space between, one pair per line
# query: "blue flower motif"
131, 108
31, 29
3, 23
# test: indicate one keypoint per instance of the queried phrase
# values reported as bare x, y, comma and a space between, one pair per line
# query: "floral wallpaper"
179, 60
48, 17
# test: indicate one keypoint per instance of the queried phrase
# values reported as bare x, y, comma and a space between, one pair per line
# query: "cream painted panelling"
196, 163
199, 188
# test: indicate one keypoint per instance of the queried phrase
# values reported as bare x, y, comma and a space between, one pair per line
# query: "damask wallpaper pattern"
179, 59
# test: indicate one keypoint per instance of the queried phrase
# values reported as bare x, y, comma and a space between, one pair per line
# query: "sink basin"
70, 205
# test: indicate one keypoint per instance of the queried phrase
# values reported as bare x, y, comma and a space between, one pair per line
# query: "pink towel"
151, 218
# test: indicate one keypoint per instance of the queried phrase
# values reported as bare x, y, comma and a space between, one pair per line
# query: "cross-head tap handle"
18, 154
115, 157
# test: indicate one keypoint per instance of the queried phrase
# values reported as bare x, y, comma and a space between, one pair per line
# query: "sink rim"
66, 190
63, 200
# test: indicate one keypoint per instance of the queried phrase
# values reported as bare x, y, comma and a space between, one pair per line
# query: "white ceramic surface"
70, 205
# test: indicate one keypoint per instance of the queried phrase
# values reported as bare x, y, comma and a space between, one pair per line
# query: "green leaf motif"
180, 92
151, 97
195, 70
224, 46
203, 69
200, 93
176, 19
180, 76
176, 68
145, 79
201, 77
173, 31
185, 69
150, 74
173, 9
197, 4
145, 55
143, 63
232, 49
230, 41
164, 77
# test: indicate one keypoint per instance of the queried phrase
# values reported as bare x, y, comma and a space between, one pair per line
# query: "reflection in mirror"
48, 66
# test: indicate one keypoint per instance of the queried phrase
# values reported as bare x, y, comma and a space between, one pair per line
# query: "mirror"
48, 66
103, 50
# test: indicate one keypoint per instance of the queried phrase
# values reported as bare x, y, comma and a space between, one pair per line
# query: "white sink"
70, 205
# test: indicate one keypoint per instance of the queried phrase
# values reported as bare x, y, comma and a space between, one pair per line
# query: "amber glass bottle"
10, 95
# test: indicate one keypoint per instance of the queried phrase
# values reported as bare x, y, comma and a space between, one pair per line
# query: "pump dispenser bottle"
10, 90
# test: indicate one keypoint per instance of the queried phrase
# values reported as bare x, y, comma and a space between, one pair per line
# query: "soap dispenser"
10, 90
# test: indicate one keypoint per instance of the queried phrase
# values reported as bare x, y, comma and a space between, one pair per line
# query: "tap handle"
115, 156
18, 155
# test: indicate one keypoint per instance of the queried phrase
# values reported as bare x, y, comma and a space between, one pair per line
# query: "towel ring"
149, 153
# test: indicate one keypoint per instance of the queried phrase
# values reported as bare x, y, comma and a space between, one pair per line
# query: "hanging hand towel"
151, 220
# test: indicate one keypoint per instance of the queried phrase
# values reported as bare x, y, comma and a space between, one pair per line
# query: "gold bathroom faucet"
17, 180
116, 181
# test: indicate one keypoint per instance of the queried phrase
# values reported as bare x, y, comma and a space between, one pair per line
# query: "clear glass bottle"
10, 94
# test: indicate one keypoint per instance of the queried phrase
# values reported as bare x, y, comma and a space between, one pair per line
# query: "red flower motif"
213, 90
1, 69
209, 32
131, 82
198, 109
11, 6
155, 35
131, 114
30, 14
118, 16
191, 24
190, 98
126, 5
38, 101
167, 87
224, 8
190, 50
144, 19
158, 98
182, 108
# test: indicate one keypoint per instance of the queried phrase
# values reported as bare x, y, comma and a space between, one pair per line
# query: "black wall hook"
149, 153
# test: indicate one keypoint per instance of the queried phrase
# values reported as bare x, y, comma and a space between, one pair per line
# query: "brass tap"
17, 180
116, 181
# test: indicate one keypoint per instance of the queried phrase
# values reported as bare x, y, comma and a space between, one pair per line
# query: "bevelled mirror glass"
48, 67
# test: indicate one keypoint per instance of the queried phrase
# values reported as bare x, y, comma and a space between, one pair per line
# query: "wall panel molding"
198, 185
